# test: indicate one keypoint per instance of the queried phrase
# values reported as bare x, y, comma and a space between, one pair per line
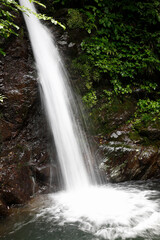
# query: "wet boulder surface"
128, 157
24, 135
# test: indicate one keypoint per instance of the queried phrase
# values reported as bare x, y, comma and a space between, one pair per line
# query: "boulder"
127, 158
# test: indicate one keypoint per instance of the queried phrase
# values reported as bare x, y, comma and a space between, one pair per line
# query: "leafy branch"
8, 11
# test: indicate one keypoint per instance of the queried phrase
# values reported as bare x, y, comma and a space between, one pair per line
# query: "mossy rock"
75, 19
108, 117
134, 136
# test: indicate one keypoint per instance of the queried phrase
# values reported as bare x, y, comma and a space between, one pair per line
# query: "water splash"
107, 212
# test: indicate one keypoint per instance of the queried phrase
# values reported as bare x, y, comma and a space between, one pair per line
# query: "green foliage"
46, 18
119, 89
149, 86
89, 24
122, 50
7, 25
90, 99
148, 112
8, 12
8, 9
123, 47
74, 19
108, 95
84, 69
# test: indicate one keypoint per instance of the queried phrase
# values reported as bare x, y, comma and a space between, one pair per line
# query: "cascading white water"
70, 143
106, 212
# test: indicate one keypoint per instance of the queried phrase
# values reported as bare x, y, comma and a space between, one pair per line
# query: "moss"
134, 136
142, 136
107, 116
75, 19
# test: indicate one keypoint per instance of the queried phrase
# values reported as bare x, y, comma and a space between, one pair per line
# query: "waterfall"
72, 147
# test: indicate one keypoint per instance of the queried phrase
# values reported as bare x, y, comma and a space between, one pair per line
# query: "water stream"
82, 210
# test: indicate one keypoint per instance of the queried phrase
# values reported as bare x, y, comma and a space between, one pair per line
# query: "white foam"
107, 212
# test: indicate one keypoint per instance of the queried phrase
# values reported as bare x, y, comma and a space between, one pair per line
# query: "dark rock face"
17, 188
24, 134
128, 159
151, 133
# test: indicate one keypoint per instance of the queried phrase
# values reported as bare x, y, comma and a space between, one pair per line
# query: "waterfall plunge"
70, 142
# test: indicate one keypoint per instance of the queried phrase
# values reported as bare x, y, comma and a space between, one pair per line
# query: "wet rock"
151, 133
127, 159
147, 155
3, 210
6, 130
47, 174
17, 185
24, 135
113, 116
42, 174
